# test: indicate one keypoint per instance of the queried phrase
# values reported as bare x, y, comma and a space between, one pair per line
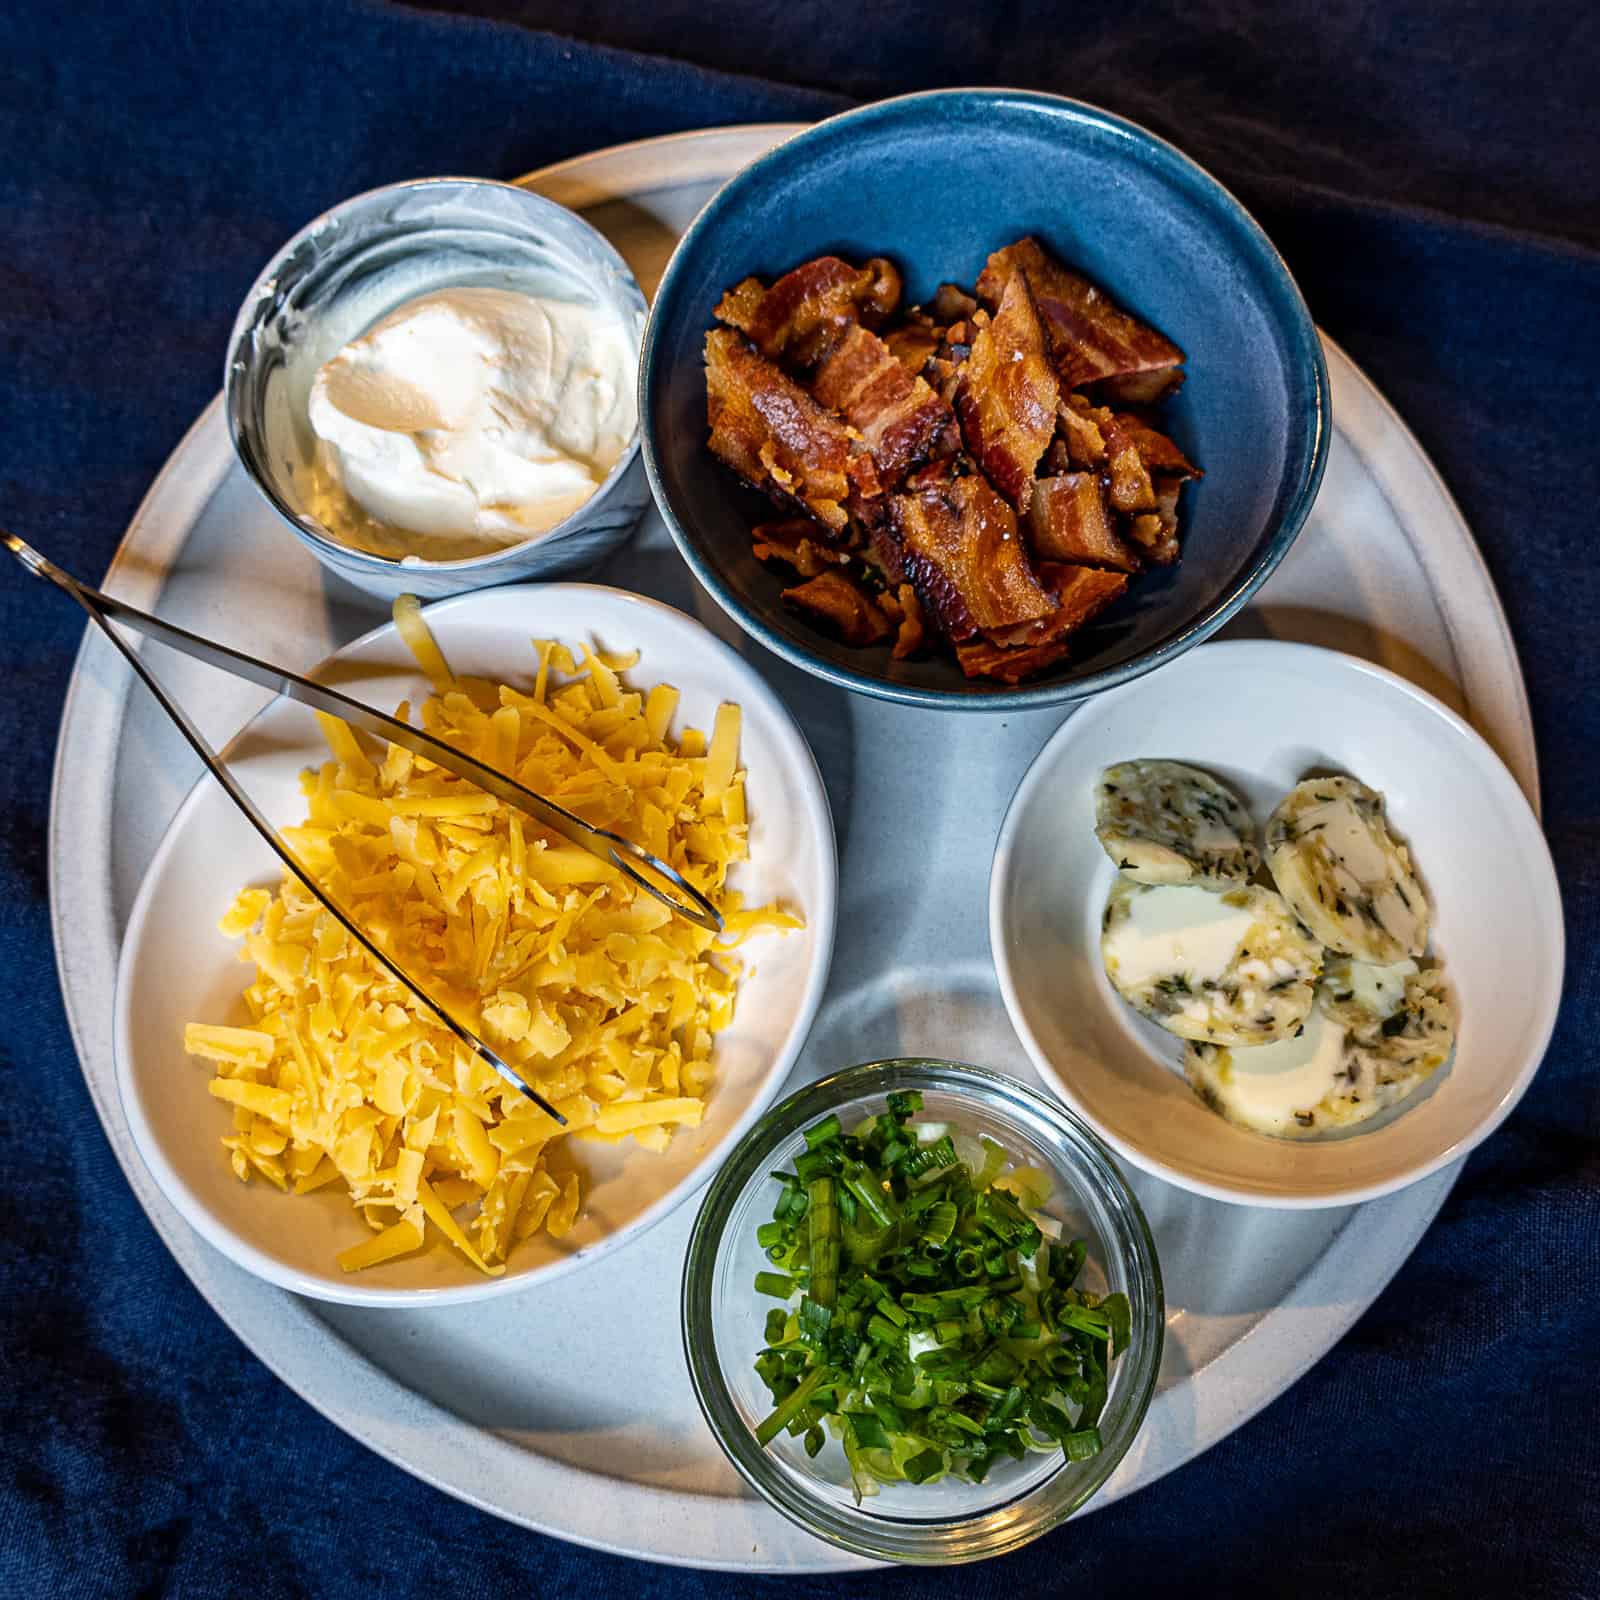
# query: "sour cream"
468, 420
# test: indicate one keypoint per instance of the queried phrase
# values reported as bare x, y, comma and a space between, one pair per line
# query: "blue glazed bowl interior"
936, 182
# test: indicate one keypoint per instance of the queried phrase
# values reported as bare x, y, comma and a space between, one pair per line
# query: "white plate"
1385, 569
1261, 715
177, 968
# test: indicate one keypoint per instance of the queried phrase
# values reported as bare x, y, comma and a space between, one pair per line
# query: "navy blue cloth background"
1431, 171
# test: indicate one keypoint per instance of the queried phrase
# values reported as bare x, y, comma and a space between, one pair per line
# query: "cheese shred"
594, 991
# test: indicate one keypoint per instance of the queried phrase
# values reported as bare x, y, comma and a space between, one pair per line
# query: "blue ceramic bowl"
936, 182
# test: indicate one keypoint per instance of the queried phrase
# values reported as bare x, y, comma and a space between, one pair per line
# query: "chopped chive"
825, 1132
792, 1406
824, 1241
1082, 1444
932, 1318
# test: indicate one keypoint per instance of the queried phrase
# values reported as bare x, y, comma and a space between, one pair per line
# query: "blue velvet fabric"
1430, 170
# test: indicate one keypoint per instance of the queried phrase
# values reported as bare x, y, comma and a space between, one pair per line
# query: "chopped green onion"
825, 1132
1120, 1315
1082, 1444
815, 1320
870, 1434
933, 1320
824, 1241
867, 1189
814, 1164
938, 1223
791, 1407
932, 1157
994, 1160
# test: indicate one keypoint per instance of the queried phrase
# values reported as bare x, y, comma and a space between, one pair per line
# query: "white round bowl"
175, 967
1261, 715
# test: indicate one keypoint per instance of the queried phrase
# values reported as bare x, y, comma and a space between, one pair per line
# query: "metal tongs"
672, 889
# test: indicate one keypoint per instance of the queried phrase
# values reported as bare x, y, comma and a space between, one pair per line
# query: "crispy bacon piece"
1156, 450
965, 559
1068, 521
775, 436
912, 634
802, 316
952, 303
943, 367
1079, 427
884, 552
913, 342
794, 543
1091, 338
1008, 395
833, 600
1128, 479
738, 307
1081, 593
897, 414
1156, 532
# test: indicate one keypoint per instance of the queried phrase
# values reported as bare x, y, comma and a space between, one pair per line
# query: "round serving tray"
504, 1404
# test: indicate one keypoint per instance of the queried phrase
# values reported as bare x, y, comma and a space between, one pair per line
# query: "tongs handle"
600, 842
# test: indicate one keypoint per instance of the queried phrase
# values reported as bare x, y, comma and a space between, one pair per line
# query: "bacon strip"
775, 436
1008, 395
1091, 338
897, 414
805, 313
1068, 521
834, 601
1081, 593
965, 559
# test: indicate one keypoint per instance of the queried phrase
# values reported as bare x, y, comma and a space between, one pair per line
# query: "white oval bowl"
175, 966
1261, 715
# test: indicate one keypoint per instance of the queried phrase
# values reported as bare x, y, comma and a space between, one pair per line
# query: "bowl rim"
306, 527
333, 1286
1301, 330
743, 1166
1259, 655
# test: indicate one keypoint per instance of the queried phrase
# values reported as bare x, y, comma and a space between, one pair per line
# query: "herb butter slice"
1163, 822
1346, 876
1329, 1076
1231, 967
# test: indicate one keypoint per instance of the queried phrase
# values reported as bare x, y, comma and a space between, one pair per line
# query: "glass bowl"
724, 1318
354, 265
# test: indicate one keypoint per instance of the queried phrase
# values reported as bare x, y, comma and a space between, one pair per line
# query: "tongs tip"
26, 554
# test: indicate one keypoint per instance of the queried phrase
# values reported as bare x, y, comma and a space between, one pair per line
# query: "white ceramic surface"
1385, 569
1261, 715
176, 967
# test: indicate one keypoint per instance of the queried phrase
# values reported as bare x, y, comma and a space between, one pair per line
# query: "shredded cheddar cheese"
593, 990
